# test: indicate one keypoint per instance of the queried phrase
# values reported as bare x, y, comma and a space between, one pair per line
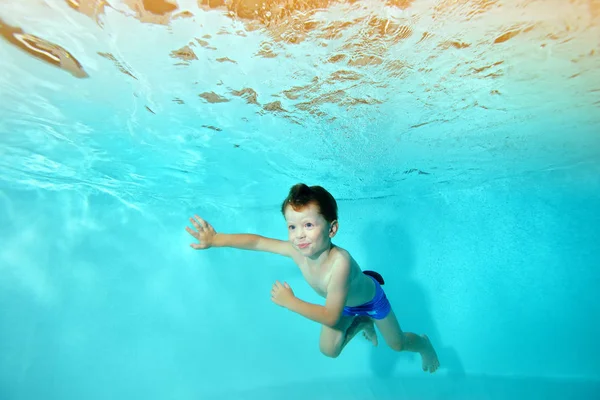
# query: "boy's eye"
291, 227
309, 224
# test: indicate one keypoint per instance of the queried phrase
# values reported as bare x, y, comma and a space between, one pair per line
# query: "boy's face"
308, 231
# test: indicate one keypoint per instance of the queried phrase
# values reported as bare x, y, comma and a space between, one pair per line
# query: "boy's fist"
282, 294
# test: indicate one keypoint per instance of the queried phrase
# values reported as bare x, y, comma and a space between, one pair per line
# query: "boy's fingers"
195, 223
202, 222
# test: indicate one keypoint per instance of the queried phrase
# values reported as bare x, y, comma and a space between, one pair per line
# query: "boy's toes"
370, 334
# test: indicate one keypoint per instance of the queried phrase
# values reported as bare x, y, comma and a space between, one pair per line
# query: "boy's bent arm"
249, 241
337, 291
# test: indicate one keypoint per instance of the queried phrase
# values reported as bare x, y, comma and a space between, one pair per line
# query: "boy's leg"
407, 341
333, 340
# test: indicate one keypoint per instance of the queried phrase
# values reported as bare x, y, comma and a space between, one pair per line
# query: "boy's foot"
369, 332
429, 356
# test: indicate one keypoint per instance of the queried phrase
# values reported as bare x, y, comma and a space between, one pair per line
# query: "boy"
354, 299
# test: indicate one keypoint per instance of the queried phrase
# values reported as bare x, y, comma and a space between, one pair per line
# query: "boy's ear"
333, 228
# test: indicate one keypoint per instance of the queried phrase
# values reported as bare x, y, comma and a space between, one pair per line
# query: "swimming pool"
460, 140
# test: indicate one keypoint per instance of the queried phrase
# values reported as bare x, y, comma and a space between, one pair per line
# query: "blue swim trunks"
378, 308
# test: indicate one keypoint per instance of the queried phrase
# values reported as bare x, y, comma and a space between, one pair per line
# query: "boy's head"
311, 215
301, 196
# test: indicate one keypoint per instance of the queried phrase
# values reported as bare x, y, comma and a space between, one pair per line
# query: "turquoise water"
461, 140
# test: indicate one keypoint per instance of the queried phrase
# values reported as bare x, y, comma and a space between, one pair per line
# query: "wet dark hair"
301, 195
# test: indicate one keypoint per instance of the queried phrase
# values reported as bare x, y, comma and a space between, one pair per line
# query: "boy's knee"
329, 350
331, 343
397, 344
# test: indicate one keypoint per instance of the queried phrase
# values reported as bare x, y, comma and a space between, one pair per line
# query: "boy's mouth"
303, 245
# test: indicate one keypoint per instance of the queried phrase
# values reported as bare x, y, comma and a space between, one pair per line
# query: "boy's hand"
282, 294
204, 234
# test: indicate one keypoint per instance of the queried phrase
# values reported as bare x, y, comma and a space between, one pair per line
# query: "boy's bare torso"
361, 288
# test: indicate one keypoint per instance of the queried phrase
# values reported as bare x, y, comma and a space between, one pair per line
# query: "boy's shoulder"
340, 254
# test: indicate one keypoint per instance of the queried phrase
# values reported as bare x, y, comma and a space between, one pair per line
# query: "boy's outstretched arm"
337, 291
207, 237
